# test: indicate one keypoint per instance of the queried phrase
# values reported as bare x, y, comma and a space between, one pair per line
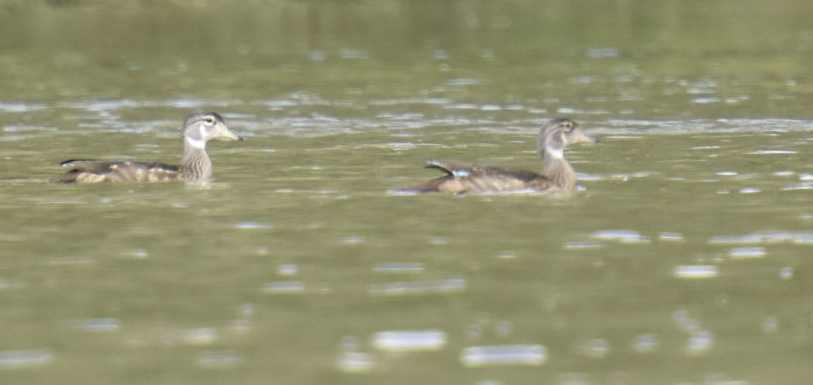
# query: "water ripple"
398, 267
219, 359
452, 285
98, 324
530, 355
287, 269
409, 340
16, 106
198, 337
25, 358
594, 348
699, 342
284, 287
354, 362
602, 52
623, 236
579, 245
669, 236
645, 343
706, 126
747, 252
695, 271
771, 152
252, 225
796, 237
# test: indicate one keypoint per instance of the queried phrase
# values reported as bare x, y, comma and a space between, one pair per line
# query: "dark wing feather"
453, 169
95, 171
72, 162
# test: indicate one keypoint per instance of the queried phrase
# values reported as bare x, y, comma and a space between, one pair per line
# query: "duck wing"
95, 171
457, 170
465, 178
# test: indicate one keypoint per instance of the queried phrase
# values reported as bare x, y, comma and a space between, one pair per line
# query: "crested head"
199, 127
557, 134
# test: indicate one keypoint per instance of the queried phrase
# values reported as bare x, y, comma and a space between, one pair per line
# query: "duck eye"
568, 125
209, 120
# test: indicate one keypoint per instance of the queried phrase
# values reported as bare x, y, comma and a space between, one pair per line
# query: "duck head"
557, 134
199, 127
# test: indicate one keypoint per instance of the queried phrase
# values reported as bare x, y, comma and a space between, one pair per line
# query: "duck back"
96, 171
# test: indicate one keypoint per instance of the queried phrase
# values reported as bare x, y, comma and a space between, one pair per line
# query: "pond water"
685, 258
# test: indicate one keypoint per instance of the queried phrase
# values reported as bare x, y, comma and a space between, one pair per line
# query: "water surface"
684, 257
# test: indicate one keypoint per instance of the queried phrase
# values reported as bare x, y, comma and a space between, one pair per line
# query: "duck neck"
557, 170
195, 163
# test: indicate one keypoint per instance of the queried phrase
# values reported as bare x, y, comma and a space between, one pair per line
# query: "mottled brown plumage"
195, 163
557, 175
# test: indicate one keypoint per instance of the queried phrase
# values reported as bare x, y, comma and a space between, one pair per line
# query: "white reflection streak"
451, 285
25, 358
409, 340
695, 271
531, 355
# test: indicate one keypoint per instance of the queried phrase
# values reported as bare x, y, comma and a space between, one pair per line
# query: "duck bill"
227, 134
587, 139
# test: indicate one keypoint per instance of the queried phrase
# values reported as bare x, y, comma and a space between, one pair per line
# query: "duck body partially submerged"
195, 165
556, 175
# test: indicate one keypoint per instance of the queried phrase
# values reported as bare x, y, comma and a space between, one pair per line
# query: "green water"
684, 259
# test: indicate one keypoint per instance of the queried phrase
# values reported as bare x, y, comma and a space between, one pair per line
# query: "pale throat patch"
196, 143
558, 153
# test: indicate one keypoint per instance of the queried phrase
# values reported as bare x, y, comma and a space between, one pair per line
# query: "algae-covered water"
684, 258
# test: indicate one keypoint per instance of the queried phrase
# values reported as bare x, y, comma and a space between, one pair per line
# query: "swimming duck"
195, 164
557, 175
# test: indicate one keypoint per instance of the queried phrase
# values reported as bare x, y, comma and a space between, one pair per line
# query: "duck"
198, 128
557, 174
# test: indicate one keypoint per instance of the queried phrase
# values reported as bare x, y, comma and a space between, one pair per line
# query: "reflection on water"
25, 358
450, 285
533, 355
696, 271
219, 359
98, 324
682, 259
284, 287
409, 340
767, 237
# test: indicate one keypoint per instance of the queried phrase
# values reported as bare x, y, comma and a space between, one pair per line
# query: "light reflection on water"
409, 340
532, 355
696, 271
451, 285
25, 358
219, 359
98, 324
